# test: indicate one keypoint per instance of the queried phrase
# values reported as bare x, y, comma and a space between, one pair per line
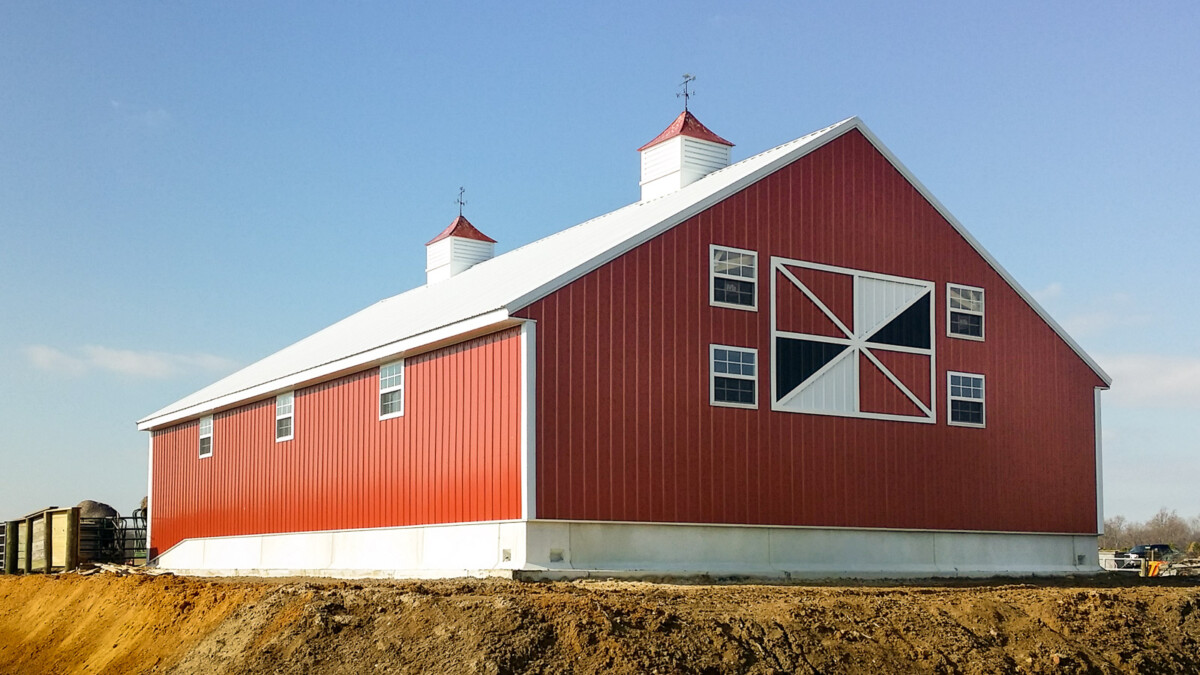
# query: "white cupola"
456, 249
683, 153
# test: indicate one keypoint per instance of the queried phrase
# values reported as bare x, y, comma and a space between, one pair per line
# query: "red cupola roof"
686, 125
461, 227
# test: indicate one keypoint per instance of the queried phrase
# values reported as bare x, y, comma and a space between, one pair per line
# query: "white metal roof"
486, 294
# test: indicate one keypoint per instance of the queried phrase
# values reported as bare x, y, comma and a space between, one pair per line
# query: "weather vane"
460, 201
687, 78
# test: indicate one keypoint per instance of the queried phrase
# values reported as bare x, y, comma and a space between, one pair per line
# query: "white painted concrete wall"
470, 549
563, 549
804, 552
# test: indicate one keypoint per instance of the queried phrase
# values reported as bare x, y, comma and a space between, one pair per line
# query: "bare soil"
106, 623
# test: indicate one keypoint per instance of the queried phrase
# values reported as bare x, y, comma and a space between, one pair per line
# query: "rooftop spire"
460, 201
685, 94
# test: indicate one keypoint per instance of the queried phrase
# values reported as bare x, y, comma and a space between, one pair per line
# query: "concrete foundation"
570, 549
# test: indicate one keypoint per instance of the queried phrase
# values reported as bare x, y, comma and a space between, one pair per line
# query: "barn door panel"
851, 342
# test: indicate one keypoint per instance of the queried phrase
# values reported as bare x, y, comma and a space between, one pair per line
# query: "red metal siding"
453, 456
626, 432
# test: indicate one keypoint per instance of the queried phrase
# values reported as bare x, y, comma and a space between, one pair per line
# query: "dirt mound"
106, 623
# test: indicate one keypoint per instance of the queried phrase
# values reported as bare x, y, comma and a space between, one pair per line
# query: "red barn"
798, 364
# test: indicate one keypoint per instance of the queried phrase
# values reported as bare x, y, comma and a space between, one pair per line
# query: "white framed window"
733, 376
285, 418
964, 311
391, 390
966, 399
733, 278
206, 437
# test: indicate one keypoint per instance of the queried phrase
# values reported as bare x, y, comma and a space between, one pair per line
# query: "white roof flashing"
489, 292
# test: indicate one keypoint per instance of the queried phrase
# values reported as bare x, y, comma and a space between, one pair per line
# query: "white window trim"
209, 436
292, 415
388, 390
950, 398
712, 377
982, 315
712, 274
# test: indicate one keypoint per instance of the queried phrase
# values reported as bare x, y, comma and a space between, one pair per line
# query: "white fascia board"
962, 230
829, 134
1099, 469
528, 420
995, 264
406, 346
149, 493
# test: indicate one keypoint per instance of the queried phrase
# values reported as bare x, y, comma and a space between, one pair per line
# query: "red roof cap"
461, 227
686, 125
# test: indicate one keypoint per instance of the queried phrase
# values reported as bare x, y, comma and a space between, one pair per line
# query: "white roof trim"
489, 292
799, 148
324, 371
962, 230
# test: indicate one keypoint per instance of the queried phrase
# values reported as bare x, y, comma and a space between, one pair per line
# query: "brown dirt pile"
140, 624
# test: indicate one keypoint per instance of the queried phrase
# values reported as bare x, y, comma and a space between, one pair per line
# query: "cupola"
456, 249
683, 153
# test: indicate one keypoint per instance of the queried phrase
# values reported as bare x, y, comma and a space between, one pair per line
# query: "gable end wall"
626, 433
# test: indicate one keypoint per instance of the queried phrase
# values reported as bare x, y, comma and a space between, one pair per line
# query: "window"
284, 416
964, 307
391, 389
732, 273
206, 436
733, 376
966, 400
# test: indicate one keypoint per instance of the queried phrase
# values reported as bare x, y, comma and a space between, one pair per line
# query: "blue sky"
187, 187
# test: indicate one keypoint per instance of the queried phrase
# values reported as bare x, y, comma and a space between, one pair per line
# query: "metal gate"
113, 540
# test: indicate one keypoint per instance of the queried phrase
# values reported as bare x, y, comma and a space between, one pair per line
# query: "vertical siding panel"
605, 457
511, 366
454, 499
444, 471
423, 484
641, 358
498, 357
553, 487
499, 491
597, 437
504, 360
480, 416
619, 394
576, 344
694, 292
444, 457
491, 365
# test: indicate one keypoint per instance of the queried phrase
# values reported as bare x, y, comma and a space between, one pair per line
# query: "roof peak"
461, 227
686, 125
